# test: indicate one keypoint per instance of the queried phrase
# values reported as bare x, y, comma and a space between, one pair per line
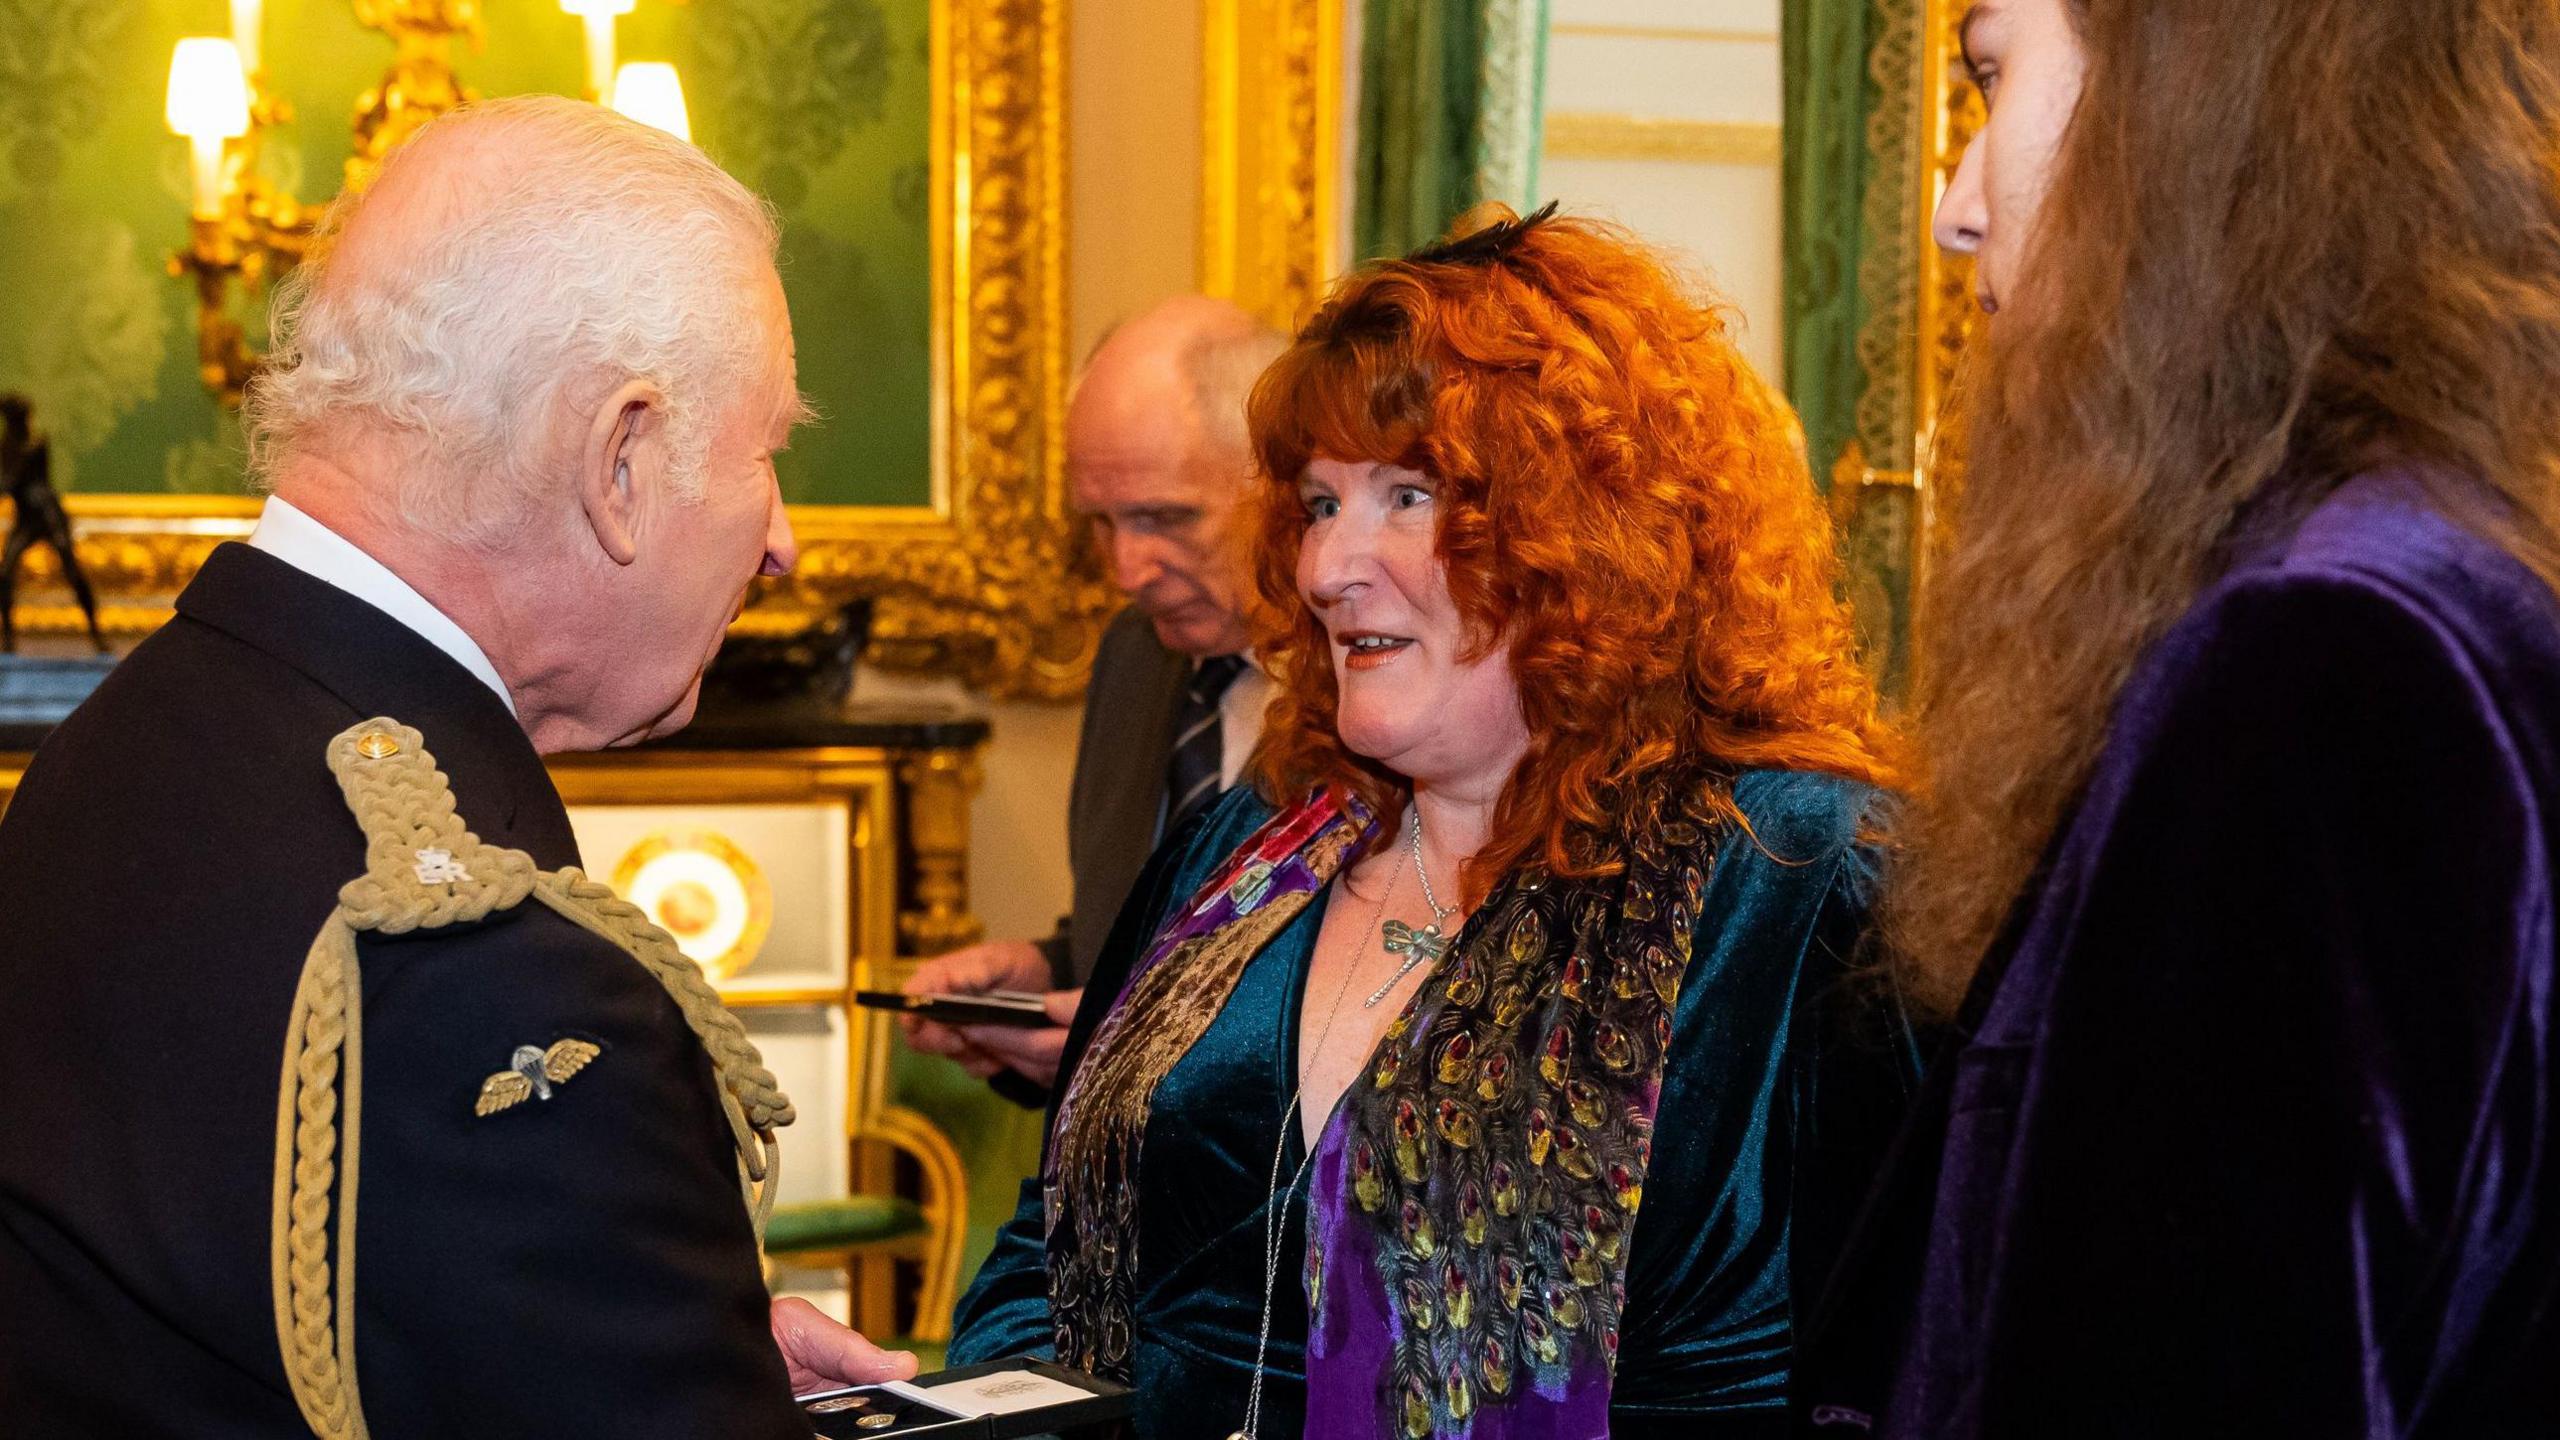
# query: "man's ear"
619, 459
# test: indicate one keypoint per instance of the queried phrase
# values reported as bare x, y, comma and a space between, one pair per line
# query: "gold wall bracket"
262, 232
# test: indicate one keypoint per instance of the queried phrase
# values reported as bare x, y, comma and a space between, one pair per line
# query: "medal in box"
1001, 1400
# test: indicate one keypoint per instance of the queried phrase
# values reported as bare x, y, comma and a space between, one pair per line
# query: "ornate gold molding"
1919, 299
1950, 114
989, 581
1586, 135
1271, 153
938, 785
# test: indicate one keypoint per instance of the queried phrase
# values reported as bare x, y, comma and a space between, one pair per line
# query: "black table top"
803, 725
780, 727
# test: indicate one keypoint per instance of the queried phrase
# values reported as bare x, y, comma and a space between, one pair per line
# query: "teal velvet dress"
1785, 1078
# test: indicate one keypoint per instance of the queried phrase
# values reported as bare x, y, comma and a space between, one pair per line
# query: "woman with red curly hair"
1537, 908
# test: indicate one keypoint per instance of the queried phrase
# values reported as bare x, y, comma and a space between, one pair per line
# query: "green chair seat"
840, 1224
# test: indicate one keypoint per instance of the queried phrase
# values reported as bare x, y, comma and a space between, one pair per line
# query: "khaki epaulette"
424, 870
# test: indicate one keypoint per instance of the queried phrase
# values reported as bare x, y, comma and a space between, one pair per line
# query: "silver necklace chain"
1418, 946
1278, 1196
1427, 943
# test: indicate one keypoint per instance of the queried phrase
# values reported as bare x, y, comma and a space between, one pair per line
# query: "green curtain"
1451, 107
1824, 48
1851, 205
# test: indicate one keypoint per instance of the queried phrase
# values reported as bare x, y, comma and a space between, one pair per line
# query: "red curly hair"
1622, 502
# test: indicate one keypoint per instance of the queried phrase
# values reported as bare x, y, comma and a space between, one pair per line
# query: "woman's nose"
1963, 217
1335, 559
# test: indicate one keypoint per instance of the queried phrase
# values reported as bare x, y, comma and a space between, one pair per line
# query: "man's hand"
823, 1355
1031, 1052
982, 1050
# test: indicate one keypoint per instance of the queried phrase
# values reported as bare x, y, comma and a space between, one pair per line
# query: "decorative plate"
699, 887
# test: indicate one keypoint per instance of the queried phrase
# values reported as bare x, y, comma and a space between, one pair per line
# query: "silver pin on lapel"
531, 1072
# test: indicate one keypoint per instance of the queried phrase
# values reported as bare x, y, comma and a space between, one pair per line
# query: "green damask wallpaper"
823, 105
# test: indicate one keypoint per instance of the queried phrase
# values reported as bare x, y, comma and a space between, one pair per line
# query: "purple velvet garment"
2253, 1131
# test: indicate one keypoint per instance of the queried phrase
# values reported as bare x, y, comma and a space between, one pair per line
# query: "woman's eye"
1322, 507
1408, 496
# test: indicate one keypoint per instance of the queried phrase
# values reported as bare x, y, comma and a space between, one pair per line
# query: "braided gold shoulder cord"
405, 806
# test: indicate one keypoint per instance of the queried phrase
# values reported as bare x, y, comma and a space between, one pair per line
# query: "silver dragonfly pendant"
1418, 947
1426, 945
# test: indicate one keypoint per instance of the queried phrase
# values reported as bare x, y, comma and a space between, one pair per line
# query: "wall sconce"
238, 227
243, 230
649, 91
209, 104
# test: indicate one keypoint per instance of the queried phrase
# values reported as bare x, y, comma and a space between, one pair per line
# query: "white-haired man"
519, 442
1158, 461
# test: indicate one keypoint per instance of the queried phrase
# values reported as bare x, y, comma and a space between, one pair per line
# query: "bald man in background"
1157, 461
519, 440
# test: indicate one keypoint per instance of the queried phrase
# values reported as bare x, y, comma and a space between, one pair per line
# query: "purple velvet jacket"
2252, 1129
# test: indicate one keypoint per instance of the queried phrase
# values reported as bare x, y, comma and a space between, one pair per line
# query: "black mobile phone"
996, 1007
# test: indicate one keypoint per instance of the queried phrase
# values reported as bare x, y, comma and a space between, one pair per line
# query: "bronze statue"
26, 473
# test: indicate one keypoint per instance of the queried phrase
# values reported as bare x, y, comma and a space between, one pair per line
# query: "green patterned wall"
823, 105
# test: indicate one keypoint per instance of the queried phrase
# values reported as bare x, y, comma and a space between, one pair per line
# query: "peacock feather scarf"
1472, 1197
1089, 1179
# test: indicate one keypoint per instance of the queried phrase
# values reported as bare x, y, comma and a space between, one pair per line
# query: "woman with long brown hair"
1537, 914
2234, 858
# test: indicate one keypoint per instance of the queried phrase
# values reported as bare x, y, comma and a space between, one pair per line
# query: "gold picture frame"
989, 581
1919, 298
1950, 114
1271, 160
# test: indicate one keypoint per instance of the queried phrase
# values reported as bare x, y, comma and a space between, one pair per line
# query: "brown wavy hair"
1622, 502
2285, 241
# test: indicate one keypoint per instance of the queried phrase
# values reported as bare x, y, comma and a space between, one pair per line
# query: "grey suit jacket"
1117, 804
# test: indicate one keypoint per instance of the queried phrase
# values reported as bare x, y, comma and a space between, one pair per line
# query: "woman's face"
1369, 566
2025, 57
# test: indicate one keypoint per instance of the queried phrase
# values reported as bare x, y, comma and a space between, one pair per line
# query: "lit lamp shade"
208, 95
649, 92
208, 103
598, 7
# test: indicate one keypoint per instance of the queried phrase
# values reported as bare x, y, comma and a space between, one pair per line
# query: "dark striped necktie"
1193, 772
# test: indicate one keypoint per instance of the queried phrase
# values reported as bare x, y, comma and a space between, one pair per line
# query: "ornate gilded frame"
1920, 304
1271, 161
989, 581
1950, 112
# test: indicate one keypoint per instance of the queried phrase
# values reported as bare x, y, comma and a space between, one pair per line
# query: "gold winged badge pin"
532, 1072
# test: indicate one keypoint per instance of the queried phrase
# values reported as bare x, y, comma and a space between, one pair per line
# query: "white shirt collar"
323, 554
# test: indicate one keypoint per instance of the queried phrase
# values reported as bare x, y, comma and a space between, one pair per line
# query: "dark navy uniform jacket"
582, 1266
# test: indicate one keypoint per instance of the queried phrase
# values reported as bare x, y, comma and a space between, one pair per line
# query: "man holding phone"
1157, 459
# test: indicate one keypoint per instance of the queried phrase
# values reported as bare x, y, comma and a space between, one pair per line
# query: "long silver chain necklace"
1418, 946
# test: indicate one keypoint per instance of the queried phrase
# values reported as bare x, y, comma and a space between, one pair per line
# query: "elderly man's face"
695, 560
1159, 509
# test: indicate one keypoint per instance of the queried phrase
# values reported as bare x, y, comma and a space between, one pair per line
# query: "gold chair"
867, 1232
